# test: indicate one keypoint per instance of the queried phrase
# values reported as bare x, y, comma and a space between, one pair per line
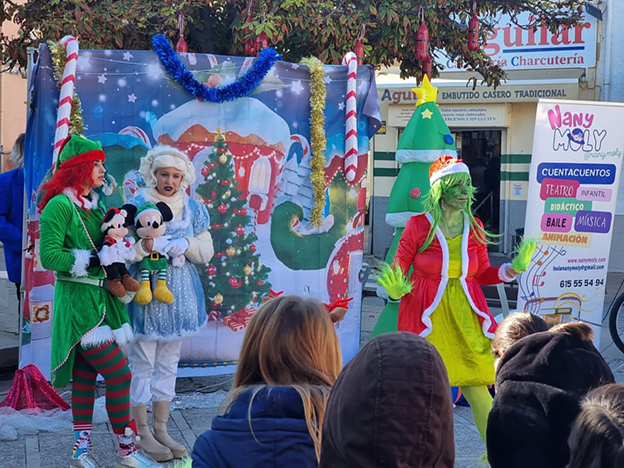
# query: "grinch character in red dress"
443, 301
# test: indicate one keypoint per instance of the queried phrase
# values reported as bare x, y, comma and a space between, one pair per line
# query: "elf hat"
76, 149
148, 207
446, 165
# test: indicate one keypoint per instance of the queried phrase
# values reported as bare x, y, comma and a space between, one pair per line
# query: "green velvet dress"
82, 313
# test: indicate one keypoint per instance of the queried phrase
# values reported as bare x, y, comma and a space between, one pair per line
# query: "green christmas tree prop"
425, 139
235, 280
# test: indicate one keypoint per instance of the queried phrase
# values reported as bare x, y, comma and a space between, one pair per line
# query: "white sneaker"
83, 461
136, 460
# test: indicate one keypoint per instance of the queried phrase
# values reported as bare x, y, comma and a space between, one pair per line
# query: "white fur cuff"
79, 268
502, 273
103, 334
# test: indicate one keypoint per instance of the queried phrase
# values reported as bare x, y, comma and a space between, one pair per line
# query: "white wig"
166, 156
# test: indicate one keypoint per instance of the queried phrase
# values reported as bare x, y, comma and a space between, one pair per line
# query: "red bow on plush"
337, 310
339, 303
274, 294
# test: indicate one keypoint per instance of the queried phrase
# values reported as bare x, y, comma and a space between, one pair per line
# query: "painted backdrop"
130, 104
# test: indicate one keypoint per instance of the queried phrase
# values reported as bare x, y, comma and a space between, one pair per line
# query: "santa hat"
446, 165
110, 215
77, 149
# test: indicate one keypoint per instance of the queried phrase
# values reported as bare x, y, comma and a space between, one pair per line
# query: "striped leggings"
109, 361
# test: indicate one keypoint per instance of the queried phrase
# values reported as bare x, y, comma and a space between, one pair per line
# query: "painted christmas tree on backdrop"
235, 280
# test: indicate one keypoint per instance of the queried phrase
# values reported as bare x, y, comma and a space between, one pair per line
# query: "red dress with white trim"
447, 305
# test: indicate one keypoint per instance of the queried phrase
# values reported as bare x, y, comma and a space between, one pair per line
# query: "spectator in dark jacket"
289, 360
12, 214
390, 408
540, 382
597, 438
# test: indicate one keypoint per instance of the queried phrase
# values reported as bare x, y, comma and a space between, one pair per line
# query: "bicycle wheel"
616, 322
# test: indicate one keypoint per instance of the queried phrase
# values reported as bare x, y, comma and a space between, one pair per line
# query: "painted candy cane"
246, 64
66, 96
212, 60
351, 137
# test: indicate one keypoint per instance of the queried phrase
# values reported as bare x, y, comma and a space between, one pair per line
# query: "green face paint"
456, 196
455, 192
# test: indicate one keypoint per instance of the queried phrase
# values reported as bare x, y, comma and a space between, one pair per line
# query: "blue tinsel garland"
244, 86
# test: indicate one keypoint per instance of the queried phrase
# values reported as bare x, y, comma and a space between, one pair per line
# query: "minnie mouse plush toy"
117, 249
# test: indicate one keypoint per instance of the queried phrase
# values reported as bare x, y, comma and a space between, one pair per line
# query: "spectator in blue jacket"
12, 212
289, 360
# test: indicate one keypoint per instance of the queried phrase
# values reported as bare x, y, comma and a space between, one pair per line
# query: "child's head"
390, 406
597, 437
514, 327
289, 341
578, 329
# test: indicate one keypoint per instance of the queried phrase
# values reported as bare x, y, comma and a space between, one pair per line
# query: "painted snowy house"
295, 182
258, 138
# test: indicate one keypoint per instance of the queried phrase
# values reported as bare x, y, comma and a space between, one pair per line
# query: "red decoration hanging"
250, 44
358, 49
422, 37
262, 41
473, 30
427, 68
181, 45
422, 42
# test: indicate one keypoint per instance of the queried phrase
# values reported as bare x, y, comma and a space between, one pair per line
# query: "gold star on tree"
426, 114
220, 135
426, 93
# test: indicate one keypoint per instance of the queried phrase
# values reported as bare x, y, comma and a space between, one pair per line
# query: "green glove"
394, 282
524, 253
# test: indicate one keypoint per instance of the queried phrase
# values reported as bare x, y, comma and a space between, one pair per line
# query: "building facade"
12, 104
493, 128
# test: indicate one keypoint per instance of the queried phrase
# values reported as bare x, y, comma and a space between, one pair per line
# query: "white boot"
83, 461
129, 456
160, 416
146, 441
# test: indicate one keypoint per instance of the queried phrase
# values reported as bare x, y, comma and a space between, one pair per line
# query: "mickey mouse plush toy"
117, 250
149, 223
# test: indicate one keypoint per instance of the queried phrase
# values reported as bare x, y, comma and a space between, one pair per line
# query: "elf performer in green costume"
447, 248
89, 325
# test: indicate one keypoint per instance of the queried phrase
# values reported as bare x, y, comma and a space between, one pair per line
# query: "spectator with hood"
390, 407
540, 383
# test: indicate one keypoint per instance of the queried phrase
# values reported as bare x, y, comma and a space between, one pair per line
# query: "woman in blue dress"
159, 327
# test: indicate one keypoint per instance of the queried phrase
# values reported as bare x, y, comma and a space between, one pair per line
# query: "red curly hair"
70, 177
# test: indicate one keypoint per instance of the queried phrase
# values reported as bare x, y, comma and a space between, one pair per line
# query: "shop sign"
494, 115
485, 94
514, 48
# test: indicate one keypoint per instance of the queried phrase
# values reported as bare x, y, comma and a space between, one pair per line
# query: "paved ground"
196, 405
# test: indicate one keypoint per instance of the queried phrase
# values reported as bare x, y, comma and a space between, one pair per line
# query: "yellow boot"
144, 294
161, 292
